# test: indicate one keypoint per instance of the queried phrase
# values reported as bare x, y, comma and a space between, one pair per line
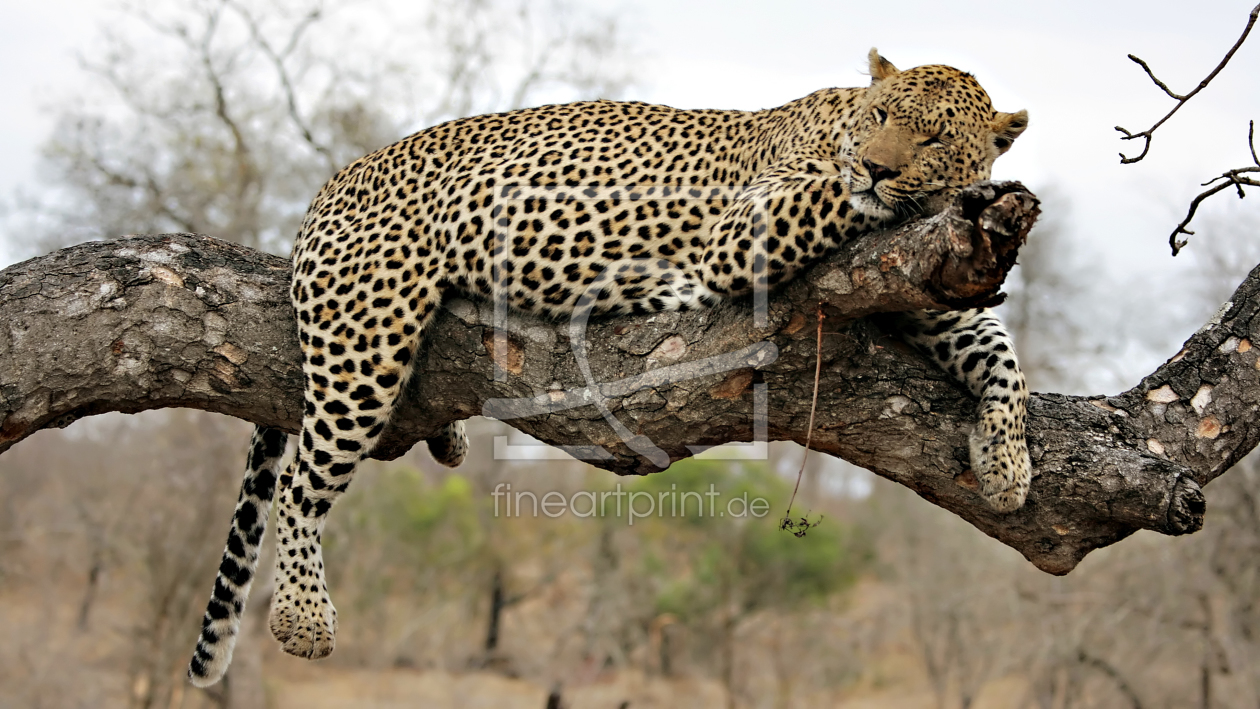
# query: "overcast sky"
1064, 61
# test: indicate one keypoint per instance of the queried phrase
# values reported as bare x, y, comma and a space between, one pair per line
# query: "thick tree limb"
184, 320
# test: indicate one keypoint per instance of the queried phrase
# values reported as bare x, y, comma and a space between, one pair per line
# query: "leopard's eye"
881, 116
931, 142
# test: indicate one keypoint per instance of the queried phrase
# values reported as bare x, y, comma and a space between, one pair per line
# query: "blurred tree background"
224, 117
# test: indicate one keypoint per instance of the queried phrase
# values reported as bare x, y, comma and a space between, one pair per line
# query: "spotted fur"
612, 208
973, 346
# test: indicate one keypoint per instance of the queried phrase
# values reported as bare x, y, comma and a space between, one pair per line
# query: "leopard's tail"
222, 621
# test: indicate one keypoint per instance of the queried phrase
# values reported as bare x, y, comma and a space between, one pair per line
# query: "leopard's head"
918, 133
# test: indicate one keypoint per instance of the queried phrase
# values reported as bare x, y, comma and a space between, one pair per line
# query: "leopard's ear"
881, 68
1007, 127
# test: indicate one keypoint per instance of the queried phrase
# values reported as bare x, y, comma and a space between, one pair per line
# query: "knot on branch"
1187, 507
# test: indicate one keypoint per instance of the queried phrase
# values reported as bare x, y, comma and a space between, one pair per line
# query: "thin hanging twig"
788, 523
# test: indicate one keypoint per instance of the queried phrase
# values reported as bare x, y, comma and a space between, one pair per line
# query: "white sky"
1064, 61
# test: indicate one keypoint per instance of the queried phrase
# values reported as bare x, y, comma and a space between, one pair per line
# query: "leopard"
602, 207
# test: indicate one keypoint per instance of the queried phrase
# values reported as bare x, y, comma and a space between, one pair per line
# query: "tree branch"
1181, 100
1113, 674
1232, 177
282, 72
185, 320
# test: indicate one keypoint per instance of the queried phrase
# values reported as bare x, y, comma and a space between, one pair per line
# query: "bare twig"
1108, 669
538, 62
248, 187
1181, 100
466, 44
157, 199
813, 407
1232, 178
277, 60
1251, 141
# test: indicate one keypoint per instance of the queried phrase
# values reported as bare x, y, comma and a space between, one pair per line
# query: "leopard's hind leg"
222, 621
357, 356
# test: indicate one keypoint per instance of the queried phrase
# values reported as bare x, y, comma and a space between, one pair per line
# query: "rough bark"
185, 320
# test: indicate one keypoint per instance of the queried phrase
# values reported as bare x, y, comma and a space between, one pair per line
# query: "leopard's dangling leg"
972, 345
222, 621
354, 375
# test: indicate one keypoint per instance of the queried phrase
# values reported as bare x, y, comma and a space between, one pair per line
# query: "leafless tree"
1052, 286
224, 117
956, 595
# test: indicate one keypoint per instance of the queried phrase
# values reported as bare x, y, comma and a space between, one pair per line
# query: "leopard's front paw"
999, 459
304, 620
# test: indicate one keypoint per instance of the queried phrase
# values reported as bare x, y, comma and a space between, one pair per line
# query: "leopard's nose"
879, 172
